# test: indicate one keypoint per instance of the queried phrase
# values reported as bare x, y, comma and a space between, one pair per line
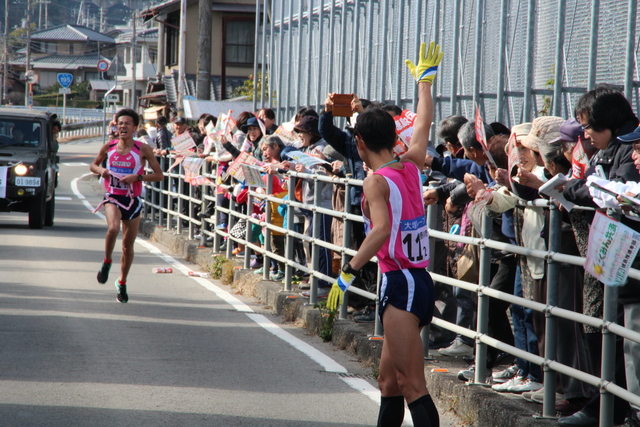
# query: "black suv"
28, 164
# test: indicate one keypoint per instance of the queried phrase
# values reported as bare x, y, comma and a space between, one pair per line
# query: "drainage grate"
350, 375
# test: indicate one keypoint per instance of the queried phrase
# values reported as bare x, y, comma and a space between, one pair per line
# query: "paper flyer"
481, 135
252, 176
612, 248
305, 159
192, 167
182, 143
549, 189
235, 168
404, 126
579, 161
286, 135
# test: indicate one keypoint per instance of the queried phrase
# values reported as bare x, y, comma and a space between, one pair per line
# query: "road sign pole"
64, 109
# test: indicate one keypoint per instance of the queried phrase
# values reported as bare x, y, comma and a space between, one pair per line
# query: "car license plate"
25, 181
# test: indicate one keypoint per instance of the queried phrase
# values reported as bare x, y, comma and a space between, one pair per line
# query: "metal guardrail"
162, 211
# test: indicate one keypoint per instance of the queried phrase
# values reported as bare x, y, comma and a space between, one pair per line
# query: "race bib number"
114, 182
415, 239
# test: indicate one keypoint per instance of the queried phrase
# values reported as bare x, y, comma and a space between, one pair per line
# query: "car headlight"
20, 170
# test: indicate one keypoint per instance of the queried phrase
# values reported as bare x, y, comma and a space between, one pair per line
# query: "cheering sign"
404, 125
252, 176
235, 168
192, 166
611, 251
481, 136
183, 142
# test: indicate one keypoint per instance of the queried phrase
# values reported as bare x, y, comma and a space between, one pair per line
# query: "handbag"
468, 264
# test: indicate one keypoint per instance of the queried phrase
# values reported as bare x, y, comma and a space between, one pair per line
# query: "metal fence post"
559, 64
232, 222
432, 220
346, 242
161, 195
288, 247
248, 230
608, 364
315, 249
527, 107
551, 323
483, 301
266, 261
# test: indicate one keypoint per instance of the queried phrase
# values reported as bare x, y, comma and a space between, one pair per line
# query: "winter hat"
521, 131
308, 124
252, 121
543, 130
570, 131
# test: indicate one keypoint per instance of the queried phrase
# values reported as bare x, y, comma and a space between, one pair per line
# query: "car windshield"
19, 133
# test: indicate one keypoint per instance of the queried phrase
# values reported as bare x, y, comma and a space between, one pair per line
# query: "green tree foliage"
248, 86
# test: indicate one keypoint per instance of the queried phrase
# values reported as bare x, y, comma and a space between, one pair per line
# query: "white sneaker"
528, 385
457, 348
469, 374
515, 381
538, 396
507, 374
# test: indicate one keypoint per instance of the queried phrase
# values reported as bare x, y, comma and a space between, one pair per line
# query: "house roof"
216, 6
60, 62
103, 84
150, 34
70, 32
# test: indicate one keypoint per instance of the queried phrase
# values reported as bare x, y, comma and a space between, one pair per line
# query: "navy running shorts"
409, 290
132, 212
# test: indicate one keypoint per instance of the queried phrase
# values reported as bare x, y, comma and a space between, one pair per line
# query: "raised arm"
424, 73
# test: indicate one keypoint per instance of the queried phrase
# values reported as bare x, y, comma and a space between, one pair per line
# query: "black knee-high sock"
424, 412
391, 411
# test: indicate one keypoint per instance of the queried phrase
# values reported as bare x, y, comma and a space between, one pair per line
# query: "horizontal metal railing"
164, 215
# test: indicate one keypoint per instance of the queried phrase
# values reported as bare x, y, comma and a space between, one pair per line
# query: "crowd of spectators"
466, 179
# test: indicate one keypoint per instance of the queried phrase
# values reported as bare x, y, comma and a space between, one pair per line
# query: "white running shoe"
457, 348
506, 375
528, 385
504, 387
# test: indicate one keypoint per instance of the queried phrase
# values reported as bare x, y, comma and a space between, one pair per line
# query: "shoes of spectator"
580, 418
197, 236
438, 345
528, 385
296, 280
571, 406
259, 271
506, 386
368, 309
209, 239
255, 263
538, 396
469, 374
506, 375
369, 316
505, 359
323, 292
304, 286
457, 348
236, 251
277, 276
221, 226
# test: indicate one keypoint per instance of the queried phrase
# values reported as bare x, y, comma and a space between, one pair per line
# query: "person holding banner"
398, 235
122, 177
607, 117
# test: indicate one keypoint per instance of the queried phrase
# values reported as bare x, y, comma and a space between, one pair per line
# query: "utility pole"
46, 14
183, 54
6, 51
134, 65
102, 20
39, 14
203, 81
28, 94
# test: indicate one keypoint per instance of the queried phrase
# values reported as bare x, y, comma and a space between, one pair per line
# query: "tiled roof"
70, 32
60, 62
150, 34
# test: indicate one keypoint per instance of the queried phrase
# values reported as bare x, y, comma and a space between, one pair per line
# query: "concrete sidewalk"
476, 405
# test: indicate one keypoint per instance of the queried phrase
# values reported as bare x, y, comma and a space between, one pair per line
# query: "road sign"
114, 97
64, 90
103, 65
65, 80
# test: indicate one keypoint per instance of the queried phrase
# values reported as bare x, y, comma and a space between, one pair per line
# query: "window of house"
239, 41
153, 54
172, 35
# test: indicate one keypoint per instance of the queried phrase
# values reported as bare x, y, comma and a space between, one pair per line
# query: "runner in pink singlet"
125, 160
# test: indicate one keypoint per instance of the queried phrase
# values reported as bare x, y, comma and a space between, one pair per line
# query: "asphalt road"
183, 352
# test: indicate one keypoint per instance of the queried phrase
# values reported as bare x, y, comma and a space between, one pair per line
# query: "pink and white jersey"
408, 245
123, 165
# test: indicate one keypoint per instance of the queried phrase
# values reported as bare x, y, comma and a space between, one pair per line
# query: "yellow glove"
427, 66
338, 289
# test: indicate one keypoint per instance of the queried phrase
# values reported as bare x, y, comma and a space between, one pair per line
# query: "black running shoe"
122, 295
103, 274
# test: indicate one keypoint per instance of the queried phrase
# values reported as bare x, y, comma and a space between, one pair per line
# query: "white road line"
317, 356
75, 164
63, 198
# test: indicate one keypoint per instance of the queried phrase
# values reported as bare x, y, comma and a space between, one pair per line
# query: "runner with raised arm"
397, 233
123, 176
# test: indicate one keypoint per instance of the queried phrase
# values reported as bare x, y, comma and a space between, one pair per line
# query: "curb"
474, 404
